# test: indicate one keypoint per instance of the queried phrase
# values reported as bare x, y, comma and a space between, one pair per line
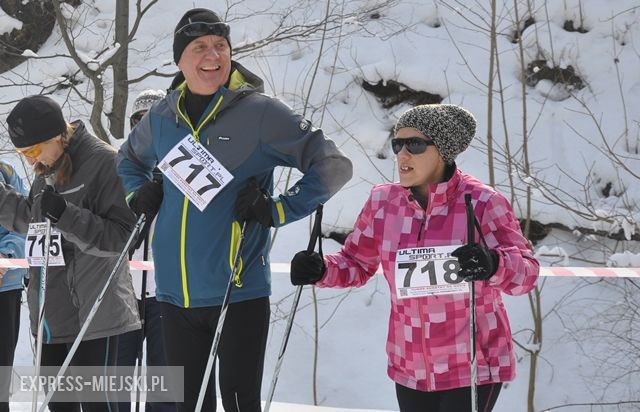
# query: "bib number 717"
194, 171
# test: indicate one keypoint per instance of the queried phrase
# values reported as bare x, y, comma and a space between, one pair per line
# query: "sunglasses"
415, 145
199, 28
31, 151
135, 118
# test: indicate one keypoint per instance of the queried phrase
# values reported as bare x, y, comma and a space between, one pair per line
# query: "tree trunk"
117, 116
96, 111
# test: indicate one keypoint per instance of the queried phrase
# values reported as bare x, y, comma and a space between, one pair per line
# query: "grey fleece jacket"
95, 227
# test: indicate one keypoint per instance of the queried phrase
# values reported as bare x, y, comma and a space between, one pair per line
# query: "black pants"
9, 328
188, 335
453, 400
129, 344
97, 352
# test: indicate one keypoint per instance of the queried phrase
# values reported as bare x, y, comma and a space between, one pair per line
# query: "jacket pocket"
70, 274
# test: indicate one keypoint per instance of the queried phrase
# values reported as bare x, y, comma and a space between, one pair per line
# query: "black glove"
476, 262
142, 235
254, 203
52, 204
147, 199
307, 268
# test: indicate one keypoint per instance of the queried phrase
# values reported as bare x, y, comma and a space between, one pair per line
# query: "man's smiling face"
206, 64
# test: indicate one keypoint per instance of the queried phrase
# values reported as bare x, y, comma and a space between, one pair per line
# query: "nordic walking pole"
143, 317
315, 235
94, 310
223, 314
471, 240
41, 298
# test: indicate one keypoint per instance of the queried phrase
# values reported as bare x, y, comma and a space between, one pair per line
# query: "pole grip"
315, 230
471, 234
50, 180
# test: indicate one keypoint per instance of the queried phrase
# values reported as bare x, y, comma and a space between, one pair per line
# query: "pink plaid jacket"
428, 340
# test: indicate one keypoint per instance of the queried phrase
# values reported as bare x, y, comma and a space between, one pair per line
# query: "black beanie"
35, 119
181, 40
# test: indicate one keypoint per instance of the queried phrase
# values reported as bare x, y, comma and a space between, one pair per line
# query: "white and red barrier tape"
284, 268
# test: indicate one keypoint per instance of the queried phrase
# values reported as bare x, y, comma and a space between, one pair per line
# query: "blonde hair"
65, 168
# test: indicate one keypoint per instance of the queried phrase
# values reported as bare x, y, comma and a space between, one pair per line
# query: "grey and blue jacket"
95, 226
250, 134
12, 243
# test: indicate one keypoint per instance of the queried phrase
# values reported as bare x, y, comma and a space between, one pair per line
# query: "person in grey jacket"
91, 224
217, 139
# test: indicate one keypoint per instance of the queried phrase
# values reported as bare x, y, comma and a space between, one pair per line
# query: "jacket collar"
440, 194
241, 81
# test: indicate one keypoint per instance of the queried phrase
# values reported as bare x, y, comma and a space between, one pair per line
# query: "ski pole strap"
471, 236
316, 231
484, 242
471, 222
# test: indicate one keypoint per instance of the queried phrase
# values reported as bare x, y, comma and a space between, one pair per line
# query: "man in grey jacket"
217, 139
91, 225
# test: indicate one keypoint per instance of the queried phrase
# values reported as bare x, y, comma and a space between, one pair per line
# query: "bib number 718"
449, 272
427, 271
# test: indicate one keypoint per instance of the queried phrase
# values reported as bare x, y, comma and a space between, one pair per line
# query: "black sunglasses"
136, 117
415, 145
200, 28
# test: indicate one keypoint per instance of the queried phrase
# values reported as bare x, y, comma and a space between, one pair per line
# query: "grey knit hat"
451, 127
145, 99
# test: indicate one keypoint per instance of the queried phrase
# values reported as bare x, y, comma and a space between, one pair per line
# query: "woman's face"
46, 152
418, 169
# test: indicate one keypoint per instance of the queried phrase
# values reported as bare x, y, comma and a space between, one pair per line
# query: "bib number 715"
34, 245
54, 244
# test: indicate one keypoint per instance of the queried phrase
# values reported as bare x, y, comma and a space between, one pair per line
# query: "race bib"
427, 271
195, 172
34, 245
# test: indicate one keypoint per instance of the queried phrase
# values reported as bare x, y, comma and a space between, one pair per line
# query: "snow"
8, 23
441, 48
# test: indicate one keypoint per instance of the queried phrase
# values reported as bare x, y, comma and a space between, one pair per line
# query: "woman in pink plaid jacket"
417, 230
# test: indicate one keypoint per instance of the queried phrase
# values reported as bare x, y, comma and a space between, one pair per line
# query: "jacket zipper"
183, 231
423, 334
422, 222
424, 348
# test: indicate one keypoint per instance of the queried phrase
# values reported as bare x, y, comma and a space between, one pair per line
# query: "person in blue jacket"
217, 138
11, 284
